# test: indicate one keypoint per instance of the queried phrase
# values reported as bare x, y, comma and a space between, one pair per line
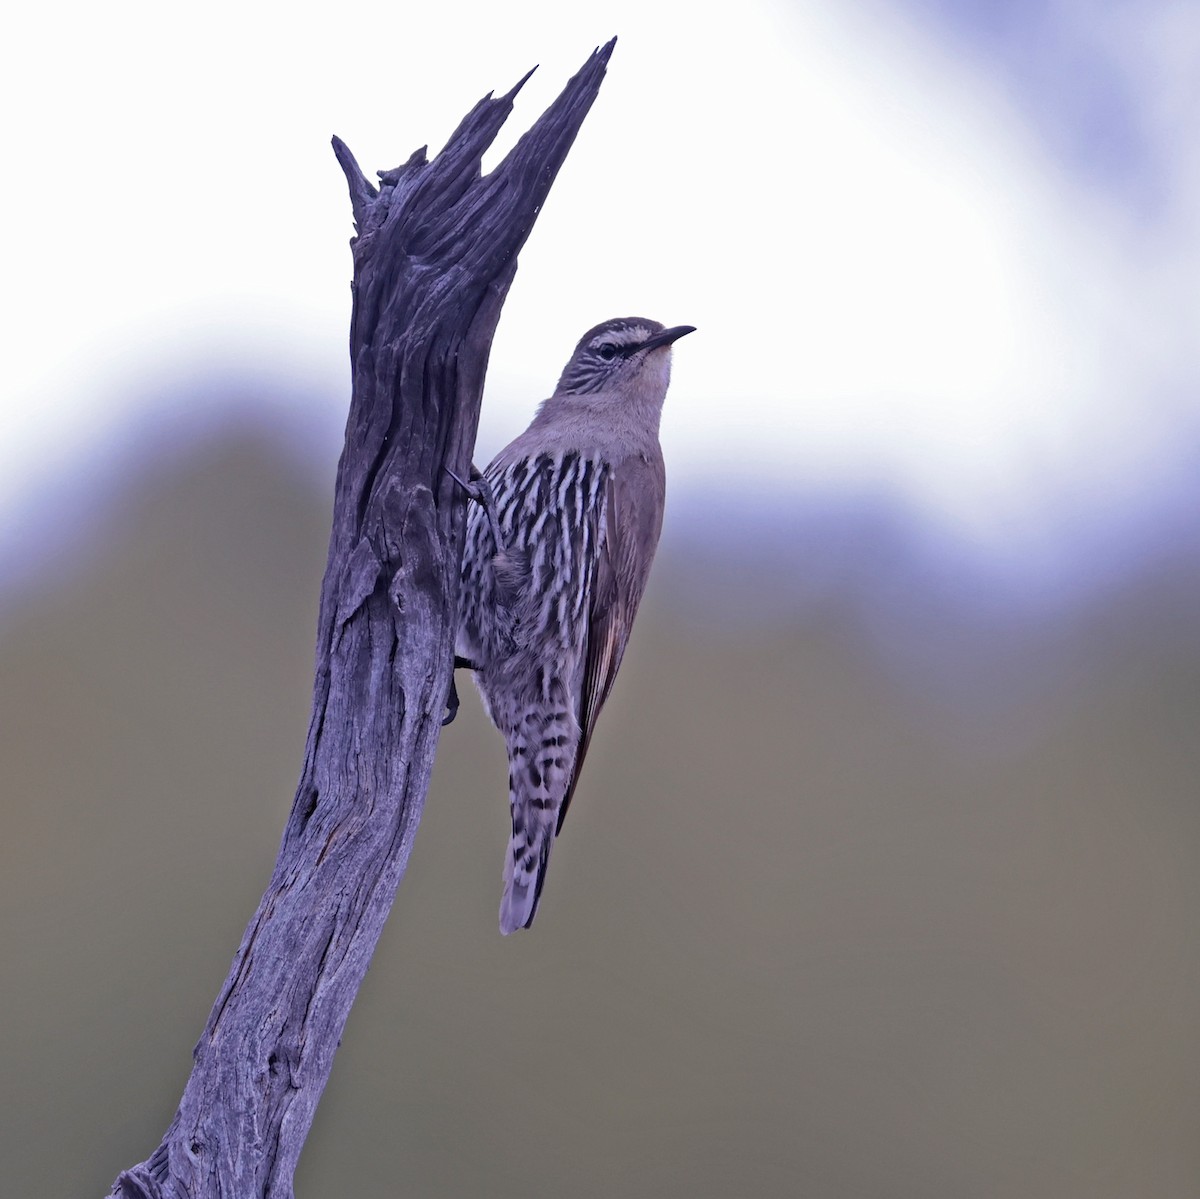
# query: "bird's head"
628, 356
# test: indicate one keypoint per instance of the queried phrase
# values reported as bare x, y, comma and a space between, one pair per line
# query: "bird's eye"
607, 351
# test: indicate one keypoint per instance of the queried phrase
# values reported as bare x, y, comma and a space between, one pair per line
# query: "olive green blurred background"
869, 890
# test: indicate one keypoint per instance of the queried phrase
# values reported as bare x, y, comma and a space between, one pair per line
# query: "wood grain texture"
435, 254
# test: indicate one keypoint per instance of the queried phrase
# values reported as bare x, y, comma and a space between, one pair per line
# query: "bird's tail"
540, 772
542, 736
524, 874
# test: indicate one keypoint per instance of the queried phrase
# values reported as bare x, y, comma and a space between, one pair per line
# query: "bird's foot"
480, 490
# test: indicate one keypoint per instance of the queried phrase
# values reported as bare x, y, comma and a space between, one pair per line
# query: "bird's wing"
626, 540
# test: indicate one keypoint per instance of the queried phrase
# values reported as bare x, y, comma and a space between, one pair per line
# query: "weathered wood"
434, 257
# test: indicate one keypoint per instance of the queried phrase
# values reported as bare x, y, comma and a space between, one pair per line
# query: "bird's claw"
451, 704
460, 663
480, 490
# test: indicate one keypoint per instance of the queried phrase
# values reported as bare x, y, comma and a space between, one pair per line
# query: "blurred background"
884, 875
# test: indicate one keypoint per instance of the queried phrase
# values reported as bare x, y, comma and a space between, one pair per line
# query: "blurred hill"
875, 890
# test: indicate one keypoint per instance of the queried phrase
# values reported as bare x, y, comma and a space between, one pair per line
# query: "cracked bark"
435, 254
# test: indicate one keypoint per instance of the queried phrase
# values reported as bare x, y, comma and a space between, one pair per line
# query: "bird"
556, 557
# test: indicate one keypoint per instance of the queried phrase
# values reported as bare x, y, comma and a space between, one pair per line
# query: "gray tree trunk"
434, 257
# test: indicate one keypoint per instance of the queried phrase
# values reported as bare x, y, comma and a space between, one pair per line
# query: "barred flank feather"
545, 616
528, 597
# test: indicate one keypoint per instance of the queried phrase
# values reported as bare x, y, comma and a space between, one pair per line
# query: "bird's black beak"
667, 336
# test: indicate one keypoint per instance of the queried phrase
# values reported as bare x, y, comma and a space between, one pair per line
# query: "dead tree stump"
435, 255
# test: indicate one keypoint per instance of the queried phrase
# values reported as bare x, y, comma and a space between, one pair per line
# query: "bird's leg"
452, 699
480, 490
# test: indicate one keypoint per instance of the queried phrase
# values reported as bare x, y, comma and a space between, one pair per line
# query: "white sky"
895, 285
